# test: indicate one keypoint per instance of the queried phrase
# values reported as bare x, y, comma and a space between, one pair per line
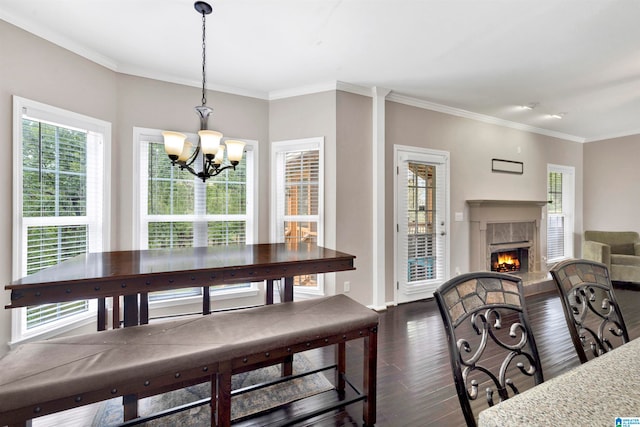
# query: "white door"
421, 212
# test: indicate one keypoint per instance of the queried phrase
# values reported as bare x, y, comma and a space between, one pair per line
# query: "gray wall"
353, 193
611, 177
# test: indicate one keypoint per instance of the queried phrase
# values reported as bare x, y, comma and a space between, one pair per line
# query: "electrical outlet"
347, 286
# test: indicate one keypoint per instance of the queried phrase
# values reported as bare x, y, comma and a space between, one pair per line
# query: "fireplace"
510, 261
505, 227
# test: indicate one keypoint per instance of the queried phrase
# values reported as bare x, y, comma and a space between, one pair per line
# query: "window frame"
65, 118
142, 136
568, 210
279, 148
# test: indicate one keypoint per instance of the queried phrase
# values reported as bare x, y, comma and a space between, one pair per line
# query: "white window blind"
179, 210
421, 198
560, 192
298, 189
59, 201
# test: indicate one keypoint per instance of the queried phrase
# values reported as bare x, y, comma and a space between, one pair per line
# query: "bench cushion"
53, 369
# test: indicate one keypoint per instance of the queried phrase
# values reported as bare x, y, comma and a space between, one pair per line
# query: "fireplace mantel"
488, 203
486, 210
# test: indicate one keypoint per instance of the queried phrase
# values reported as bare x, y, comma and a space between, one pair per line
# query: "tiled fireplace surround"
497, 225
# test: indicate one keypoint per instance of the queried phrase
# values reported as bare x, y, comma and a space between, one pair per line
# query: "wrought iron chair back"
593, 315
491, 346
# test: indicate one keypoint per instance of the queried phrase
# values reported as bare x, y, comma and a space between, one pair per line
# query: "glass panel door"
421, 231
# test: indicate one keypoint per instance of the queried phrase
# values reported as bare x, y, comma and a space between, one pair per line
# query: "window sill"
78, 321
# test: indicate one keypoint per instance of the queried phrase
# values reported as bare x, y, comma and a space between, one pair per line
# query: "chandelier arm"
217, 171
188, 168
192, 158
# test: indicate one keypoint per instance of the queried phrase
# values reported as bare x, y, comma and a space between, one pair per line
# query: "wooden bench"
50, 376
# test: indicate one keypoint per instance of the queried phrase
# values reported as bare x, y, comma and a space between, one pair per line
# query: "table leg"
206, 300
269, 290
115, 312
130, 310
288, 289
102, 314
144, 308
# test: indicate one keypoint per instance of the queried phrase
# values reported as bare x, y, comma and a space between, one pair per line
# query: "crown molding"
420, 103
63, 42
303, 90
321, 87
427, 105
613, 136
357, 89
147, 74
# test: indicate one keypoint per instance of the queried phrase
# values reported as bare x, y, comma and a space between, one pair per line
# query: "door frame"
418, 154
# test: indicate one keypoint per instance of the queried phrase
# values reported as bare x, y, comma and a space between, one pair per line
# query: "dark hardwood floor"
415, 384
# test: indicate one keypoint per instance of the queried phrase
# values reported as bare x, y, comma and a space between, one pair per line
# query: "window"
560, 192
177, 209
60, 202
298, 194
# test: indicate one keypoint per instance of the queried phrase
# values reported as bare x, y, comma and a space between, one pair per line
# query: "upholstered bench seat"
48, 376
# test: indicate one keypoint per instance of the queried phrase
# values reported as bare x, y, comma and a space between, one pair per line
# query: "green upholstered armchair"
618, 250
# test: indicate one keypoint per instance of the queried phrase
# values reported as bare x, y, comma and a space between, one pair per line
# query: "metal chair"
590, 308
491, 346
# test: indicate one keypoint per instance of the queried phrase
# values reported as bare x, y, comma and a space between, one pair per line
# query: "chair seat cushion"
625, 260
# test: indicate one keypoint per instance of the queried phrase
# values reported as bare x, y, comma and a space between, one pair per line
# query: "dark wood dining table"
133, 274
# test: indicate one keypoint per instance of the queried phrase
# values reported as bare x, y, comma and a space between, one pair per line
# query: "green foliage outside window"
555, 193
54, 168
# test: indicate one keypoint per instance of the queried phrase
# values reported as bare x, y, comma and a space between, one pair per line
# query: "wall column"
378, 190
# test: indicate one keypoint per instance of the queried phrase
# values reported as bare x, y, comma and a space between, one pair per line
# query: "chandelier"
209, 149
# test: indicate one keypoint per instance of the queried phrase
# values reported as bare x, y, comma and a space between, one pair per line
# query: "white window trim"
141, 134
19, 333
304, 144
568, 201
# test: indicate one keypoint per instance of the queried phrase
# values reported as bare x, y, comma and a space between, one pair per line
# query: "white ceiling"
479, 58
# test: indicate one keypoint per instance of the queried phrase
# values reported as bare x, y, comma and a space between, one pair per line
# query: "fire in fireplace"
509, 261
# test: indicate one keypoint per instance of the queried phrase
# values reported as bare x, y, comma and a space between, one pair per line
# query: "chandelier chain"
204, 57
